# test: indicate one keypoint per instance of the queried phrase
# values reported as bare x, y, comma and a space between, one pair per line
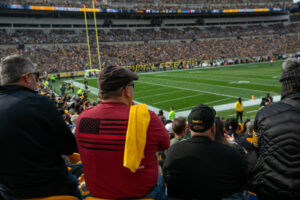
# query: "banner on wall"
147, 11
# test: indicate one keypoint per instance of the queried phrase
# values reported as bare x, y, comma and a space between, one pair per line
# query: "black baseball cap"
113, 77
201, 118
231, 124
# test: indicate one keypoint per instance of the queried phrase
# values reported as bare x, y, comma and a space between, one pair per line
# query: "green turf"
211, 86
249, 112
57, 85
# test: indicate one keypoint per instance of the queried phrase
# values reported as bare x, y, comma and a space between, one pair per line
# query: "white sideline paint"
223, 107
206, 103
230, 106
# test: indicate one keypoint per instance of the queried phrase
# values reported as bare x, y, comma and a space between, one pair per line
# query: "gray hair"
290, 64
250, 126
12, 68
290, 77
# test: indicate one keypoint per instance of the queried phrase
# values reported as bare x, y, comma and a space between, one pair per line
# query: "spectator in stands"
73, 58
63, 89
199, 168
179, 130
270, 98
161, 116
172, 113
239, 109
231, 127
107, 132
168, 4
241, 144
219, 136
72, 85
277, 173
33, 137
249, 129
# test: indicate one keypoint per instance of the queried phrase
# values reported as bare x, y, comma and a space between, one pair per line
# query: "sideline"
206, 68
231, 106
197, 68
223, 107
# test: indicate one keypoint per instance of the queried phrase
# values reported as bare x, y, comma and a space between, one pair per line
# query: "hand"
229, 138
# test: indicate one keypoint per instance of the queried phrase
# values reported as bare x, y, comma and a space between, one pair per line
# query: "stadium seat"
59, 197
95, 198
74, 158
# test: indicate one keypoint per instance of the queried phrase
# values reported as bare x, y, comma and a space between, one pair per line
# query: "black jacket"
277, 172
33, 136
199, 168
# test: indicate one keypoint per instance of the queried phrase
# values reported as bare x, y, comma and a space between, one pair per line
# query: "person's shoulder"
223, 146
33, 96
272, 109
226, 150
179, 144
151, 112
36, 103
173, 141
87, 111
153, 115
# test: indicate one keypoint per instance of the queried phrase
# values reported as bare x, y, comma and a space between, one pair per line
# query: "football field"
214, 86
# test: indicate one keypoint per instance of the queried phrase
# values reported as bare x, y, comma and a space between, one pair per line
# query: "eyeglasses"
131, 84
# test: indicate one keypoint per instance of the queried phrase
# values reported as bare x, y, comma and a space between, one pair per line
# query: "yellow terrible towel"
138, 123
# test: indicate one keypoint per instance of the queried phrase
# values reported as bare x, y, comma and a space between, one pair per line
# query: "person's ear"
127, 91
27, 77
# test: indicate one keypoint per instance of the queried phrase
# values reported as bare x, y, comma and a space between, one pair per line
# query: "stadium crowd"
112, 35
166, 4
76, 57
209, 157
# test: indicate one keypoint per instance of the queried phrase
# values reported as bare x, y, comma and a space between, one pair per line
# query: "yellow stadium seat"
95, 198
249, 140
59, 197
74, 158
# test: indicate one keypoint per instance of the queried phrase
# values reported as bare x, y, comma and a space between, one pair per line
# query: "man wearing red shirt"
101, 136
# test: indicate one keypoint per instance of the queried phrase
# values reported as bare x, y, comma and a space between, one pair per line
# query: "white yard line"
210, 102
177, 99
181, 88
223, 107
221, 86
225, 79
144, 87
156, 95
153, 90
